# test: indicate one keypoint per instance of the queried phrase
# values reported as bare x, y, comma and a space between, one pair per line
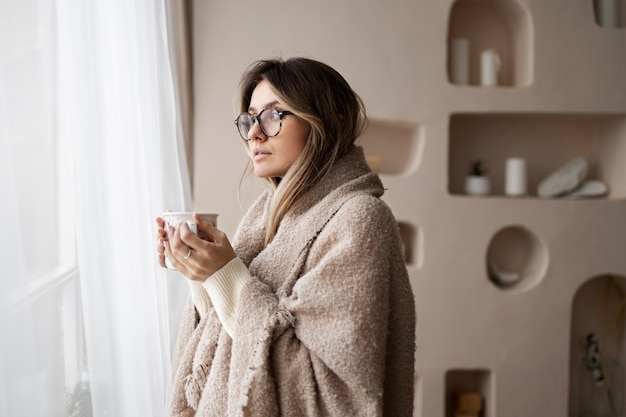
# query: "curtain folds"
118, 108
180, 23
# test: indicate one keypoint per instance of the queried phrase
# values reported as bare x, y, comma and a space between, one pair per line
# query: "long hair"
319, 95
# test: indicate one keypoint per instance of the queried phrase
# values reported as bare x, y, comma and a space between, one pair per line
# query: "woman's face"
273, 156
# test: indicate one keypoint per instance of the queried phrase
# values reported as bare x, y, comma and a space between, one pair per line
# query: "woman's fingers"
179, 245
176, 246
205, 228
187, 237
175, 255
160, 238
194, 257
168, 253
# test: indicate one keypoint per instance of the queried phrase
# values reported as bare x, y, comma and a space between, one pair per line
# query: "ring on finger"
188, 254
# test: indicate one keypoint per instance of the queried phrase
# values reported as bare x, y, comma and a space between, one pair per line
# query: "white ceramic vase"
459, 61
477, 185
515, 181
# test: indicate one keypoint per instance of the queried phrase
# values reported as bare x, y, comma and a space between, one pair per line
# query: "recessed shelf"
516, 258
411, 242
472, 382
598, 363
546, 142
504, 26
610, 14
392, 147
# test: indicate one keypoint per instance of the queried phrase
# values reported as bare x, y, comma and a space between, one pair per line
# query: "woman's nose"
255, 132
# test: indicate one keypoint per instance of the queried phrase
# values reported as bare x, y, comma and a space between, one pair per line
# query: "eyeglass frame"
257, 119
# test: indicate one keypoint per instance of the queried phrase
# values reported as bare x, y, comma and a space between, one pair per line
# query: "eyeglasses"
270, 121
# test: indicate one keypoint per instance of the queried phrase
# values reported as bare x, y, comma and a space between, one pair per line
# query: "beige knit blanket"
326, 327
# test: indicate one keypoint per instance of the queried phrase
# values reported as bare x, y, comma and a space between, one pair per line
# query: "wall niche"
469, 390
516, 258
502, 26
546, 141
392, 147
597, 355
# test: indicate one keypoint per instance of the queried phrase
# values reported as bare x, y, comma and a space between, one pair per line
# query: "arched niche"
597, 354
503, 25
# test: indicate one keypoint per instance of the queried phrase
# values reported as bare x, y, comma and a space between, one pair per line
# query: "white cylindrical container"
459, 61
489, 67
515, 184
608, 13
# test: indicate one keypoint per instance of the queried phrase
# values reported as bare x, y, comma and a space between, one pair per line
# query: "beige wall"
513, 345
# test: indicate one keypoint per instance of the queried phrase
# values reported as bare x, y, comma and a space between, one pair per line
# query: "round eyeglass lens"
270, 122
244, 124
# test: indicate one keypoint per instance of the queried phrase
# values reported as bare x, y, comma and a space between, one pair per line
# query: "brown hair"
319, 95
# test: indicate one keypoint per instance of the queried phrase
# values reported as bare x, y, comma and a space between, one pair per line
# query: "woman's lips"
260, 154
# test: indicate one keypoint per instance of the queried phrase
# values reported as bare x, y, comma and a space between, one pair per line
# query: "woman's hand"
161, 237
196, 258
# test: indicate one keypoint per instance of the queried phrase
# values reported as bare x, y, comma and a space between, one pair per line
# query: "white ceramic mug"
174, 218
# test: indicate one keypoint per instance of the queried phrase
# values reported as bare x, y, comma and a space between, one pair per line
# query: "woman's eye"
274, 116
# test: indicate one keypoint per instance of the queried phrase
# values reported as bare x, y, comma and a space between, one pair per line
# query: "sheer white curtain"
33, 277
91, 151
117, 102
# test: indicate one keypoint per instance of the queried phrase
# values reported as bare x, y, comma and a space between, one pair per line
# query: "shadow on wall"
597, 355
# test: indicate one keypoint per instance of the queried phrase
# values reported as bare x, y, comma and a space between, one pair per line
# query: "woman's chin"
261, 173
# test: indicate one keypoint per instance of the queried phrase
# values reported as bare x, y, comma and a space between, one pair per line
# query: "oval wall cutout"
516, 258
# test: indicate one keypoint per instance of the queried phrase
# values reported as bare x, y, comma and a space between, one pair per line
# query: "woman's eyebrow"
271, 104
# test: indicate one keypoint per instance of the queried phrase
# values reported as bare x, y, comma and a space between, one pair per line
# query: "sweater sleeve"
224, 289
200, 298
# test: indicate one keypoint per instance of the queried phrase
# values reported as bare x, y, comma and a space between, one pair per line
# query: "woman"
310, 311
